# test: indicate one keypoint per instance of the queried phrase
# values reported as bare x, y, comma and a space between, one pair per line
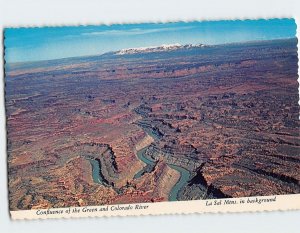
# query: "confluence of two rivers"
173, 196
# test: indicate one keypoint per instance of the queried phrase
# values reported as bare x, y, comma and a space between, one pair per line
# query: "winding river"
184, 173
96, 172
149, 163
173, 196
184, 178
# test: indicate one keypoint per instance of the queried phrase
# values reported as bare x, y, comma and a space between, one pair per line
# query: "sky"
46, 43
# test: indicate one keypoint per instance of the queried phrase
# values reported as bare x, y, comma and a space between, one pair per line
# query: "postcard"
152, 118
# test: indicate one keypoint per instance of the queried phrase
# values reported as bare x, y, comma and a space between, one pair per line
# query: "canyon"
190, 123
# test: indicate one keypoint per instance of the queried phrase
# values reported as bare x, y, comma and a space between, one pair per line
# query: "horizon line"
94, 55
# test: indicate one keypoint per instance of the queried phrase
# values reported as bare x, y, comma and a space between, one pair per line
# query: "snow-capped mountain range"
161, 48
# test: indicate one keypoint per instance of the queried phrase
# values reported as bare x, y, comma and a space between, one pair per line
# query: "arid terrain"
190, 123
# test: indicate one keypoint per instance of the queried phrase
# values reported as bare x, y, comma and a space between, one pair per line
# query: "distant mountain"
161, 48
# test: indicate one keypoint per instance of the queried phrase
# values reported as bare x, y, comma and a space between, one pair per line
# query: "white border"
73, 12
229, 205
283, 202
